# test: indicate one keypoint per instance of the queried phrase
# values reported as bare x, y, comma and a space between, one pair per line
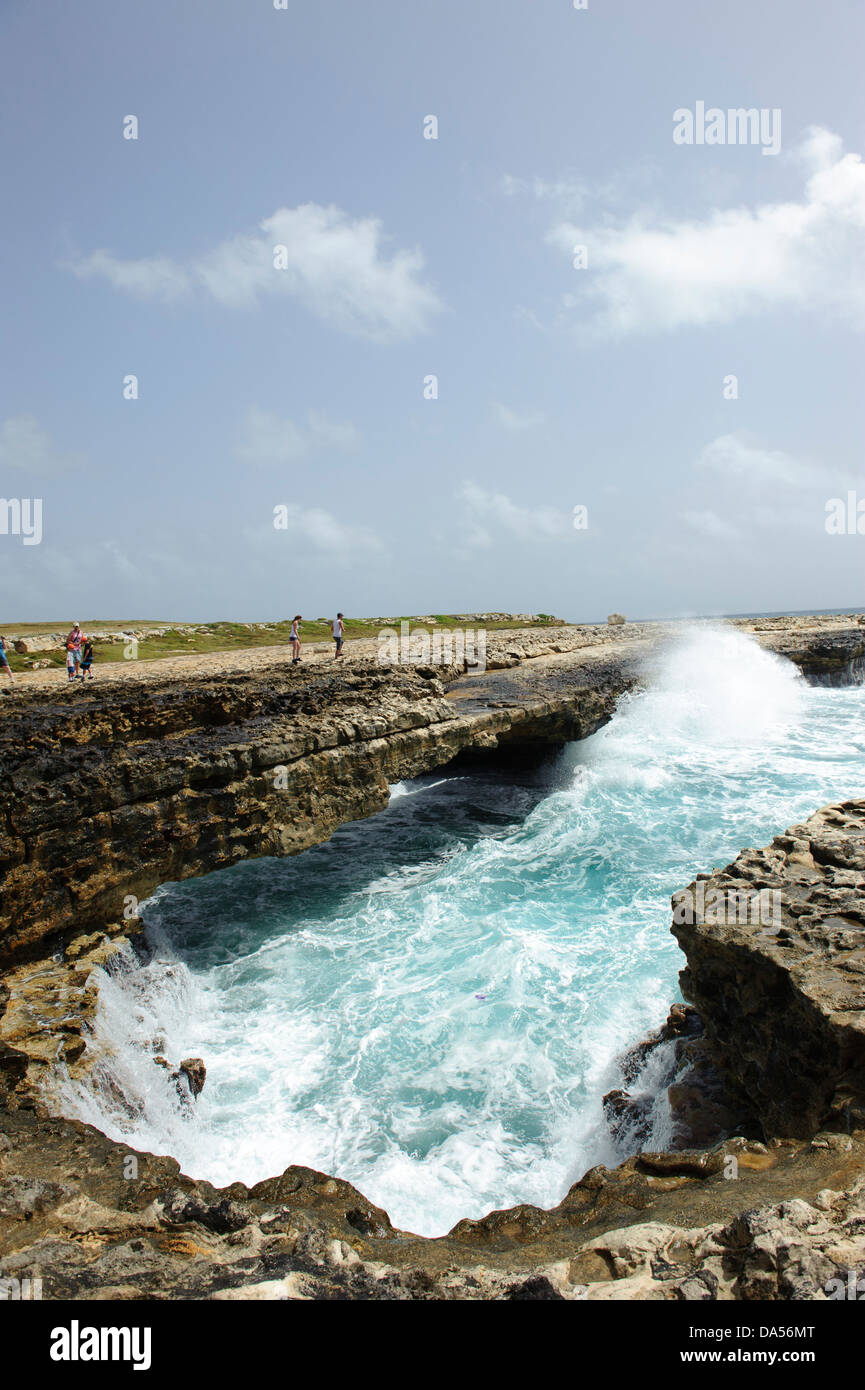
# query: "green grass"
220, 636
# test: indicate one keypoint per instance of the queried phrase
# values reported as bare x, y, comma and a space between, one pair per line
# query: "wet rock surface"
679, 1061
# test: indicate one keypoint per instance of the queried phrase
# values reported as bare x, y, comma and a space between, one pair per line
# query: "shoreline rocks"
95, 1219
783, 999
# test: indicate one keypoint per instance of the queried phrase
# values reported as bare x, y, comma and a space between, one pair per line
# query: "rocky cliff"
114, 788
775, 945
112, 791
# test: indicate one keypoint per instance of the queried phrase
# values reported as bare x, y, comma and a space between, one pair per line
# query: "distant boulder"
616, 619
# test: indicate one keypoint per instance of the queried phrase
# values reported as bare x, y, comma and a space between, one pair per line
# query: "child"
87, 659
71, 661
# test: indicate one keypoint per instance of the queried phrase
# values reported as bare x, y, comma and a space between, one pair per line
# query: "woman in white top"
294, 639
338, 633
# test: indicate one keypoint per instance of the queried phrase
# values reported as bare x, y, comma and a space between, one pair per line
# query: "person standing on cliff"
294, 639
338, 634
4, 659
87, 659
73, 645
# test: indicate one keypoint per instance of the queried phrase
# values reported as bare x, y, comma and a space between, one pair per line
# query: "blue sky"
303, 386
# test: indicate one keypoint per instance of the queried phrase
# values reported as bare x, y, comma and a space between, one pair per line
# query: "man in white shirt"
338, 634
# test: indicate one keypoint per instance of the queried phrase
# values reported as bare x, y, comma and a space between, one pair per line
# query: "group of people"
337, 627
79, 655
79, 649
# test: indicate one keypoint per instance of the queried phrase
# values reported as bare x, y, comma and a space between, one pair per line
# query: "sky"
296, 318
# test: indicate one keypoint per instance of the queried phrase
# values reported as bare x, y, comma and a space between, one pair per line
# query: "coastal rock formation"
195, 1071
679, 1060
779, 981
95, 1220
829, 657
114, 790
117, 787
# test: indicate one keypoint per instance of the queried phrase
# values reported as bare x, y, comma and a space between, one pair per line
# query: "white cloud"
568, 193
513, 420
153, 277
733, 456
483, 510
708, 523
325, 532
312, 531
339, 268
647, 273
121, 559
25, 445
752, 488
273, 439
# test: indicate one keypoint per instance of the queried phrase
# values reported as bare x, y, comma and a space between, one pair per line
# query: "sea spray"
432, 1004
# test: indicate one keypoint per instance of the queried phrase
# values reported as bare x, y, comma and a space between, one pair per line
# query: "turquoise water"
432, 1004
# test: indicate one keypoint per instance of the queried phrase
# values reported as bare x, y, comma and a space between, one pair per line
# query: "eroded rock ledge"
112, 790
783, 998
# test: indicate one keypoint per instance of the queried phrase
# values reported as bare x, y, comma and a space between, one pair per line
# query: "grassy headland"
155, 639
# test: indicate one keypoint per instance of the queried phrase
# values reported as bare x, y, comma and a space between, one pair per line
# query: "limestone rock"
180, 777
195, 1072
783, 997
